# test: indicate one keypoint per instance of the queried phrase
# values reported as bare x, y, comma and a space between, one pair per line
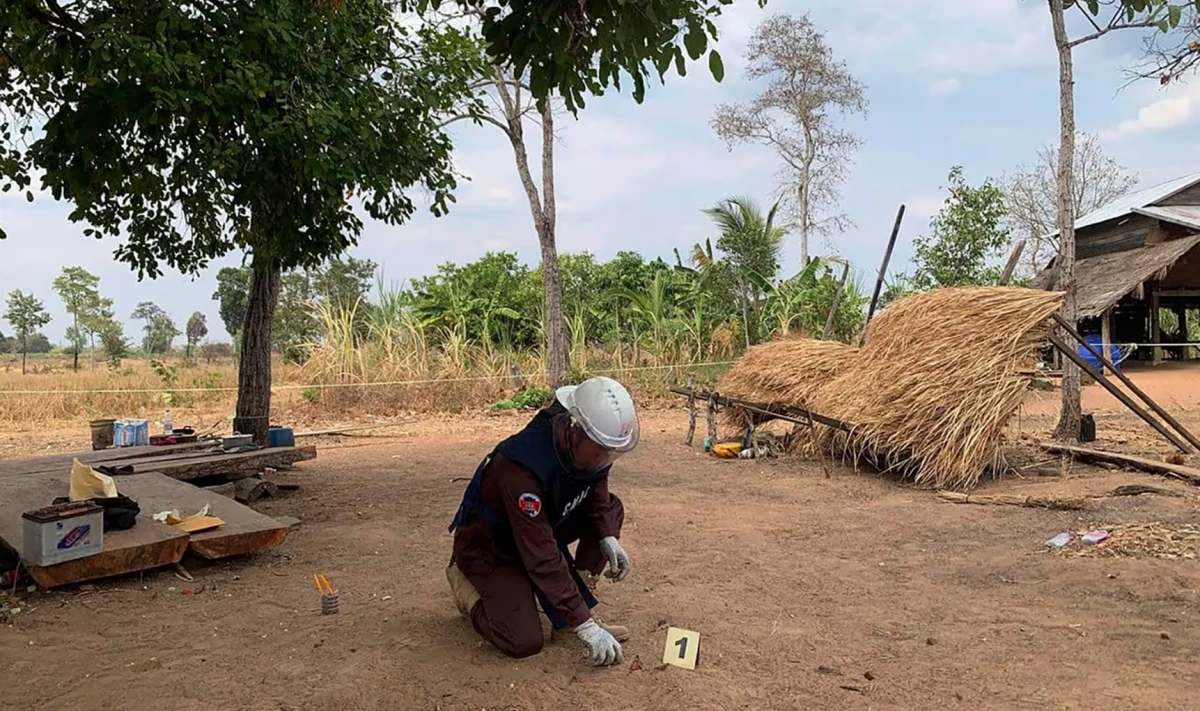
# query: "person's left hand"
618, 559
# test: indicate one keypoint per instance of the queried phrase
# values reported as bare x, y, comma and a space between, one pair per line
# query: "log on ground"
1173, 471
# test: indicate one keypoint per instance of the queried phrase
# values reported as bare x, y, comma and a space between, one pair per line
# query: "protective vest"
533, 449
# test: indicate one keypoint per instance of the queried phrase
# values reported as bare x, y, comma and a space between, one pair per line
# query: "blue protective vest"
533, 449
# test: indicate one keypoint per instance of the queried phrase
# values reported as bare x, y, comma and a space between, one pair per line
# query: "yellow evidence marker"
683, 648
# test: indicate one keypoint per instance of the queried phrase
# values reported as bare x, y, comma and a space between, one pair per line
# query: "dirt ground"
812, 586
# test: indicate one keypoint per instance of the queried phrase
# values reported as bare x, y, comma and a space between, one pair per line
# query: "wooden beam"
1106, 338
1011, 265
787, 413
1119, 394
1155, 324
837, 300
1174, 471
887, 257
1127, 382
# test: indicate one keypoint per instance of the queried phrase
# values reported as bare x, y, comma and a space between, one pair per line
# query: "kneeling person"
535, 494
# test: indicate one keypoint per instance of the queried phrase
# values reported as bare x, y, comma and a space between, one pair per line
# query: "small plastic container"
281, 437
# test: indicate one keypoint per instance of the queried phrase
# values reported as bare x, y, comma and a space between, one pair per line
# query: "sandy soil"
812, 586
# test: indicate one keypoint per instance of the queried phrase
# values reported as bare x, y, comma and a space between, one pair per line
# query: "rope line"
320, 386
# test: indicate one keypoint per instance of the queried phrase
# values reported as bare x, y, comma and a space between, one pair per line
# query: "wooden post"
1155, 324
691, 430
1011, 265
1133, 388
837, 300
887, 257
1119, 394
712, 419
1106, 335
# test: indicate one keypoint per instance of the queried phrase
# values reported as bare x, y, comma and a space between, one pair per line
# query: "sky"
973, 83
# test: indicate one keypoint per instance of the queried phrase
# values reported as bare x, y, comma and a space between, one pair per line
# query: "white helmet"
605, 411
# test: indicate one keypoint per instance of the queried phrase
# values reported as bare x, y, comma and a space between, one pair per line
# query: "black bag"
120, 511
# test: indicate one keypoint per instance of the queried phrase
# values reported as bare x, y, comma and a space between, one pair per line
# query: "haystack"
930, 392
782, 372
937, 381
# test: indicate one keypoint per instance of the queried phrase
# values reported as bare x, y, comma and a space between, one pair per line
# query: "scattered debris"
856, 689
1147, 540
1139, 489
828, 670
1091, 539
1165, 635
182, 573
1035, 502
1059, 541
868, 676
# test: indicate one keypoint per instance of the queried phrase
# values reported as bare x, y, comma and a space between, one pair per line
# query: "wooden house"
1136, 258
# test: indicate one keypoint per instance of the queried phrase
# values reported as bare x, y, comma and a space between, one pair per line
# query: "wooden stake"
1011, 265
887, 257
691, 430
712, 418
837, 300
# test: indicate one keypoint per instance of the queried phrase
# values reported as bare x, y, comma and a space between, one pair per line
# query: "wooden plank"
147, 545
1173, 471
62, 462
1106, 335
233, 465
244, 531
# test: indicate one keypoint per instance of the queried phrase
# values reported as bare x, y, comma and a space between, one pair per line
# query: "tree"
1126, 14
233, 285
572, 48
751, 243
197, 329
114, 343
243, 125
793, 115
1031, 202
968, 232
26, 314
159, 330
79, 291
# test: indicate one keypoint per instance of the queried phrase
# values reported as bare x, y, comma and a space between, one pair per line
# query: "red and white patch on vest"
530, 504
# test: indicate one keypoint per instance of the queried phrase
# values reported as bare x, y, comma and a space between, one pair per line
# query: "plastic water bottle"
168, 423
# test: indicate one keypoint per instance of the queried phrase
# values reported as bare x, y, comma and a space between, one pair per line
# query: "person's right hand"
602, 648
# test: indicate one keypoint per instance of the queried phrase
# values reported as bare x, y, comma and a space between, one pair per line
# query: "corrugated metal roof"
1186, 215
1126, 204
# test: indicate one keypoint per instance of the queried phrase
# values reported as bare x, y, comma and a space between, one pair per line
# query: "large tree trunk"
542, 208
254, 364
24, 352
1071, 413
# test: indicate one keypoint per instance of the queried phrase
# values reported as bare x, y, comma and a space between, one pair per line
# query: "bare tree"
1170, 56
794, 116
1031, 194
1121, 15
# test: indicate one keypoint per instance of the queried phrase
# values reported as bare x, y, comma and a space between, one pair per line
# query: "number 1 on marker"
682, 648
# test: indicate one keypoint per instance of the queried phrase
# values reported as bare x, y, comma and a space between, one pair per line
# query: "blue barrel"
1095, 341
281, 437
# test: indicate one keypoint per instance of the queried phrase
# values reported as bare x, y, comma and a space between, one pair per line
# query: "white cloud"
942, 87
1164, 114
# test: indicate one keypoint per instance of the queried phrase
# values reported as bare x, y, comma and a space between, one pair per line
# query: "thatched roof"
1105, 279
930, 392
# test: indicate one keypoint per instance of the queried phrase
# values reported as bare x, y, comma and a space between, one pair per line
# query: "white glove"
602, 648
618, 559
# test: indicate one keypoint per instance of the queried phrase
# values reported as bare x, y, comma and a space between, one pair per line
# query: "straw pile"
1147, 540
930, 392
783, 372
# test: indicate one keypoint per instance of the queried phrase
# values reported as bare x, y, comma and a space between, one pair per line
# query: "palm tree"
752, 244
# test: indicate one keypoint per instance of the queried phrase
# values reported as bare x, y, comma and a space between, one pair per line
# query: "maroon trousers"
507, 613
